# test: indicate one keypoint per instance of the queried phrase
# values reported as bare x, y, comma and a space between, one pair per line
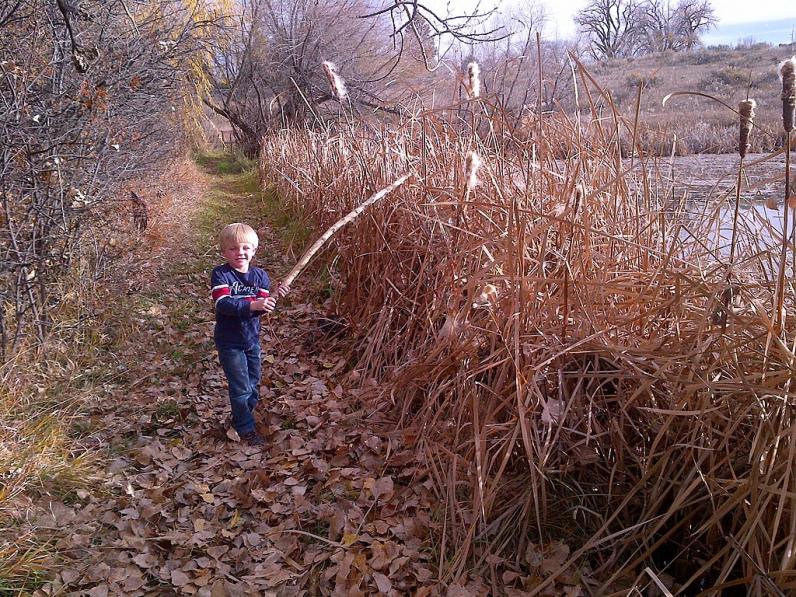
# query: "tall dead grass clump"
552, 358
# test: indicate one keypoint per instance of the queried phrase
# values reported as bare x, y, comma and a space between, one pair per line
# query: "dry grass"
564, 346
730, 74
44, 397
53, 419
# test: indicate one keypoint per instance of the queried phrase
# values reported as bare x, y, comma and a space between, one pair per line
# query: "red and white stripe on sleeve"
220, 292
263, 293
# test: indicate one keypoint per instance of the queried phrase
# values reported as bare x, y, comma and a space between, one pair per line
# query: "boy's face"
239, 255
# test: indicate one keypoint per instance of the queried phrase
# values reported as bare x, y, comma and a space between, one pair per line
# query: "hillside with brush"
695, 124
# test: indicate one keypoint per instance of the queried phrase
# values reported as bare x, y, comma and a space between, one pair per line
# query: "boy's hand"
263, 304
283, 290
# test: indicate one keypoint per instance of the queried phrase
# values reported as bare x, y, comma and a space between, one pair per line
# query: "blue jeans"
243, 370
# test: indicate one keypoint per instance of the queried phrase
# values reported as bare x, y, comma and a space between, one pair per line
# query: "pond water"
703, 187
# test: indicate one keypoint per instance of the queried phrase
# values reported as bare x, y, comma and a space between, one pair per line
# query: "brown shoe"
253, 439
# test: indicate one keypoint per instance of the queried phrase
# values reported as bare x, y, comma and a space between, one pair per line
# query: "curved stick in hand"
349, 217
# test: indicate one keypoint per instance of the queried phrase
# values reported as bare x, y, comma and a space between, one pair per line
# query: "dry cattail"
787, 74
473, 80
472, 165
335, 81
771, 202
791, 201
746, 111
451, 328
578, 197
487, 297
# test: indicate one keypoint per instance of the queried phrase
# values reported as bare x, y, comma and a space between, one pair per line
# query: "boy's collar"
232, 269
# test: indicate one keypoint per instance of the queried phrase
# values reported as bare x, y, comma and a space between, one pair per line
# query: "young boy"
241, 295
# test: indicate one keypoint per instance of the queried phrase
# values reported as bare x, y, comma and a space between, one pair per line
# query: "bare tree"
612, 26
265, 71
668, 26
658, 27
694, 17
468, 29
90, 93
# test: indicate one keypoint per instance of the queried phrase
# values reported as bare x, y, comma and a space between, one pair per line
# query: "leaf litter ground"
334, 504
326, 507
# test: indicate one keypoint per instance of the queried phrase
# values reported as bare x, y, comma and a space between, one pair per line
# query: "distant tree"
668, 26
658, 27
694, 17
612, 27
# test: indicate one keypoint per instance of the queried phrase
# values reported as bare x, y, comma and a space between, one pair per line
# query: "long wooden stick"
350, 217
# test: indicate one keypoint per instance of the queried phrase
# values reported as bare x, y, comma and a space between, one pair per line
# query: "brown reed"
593, 401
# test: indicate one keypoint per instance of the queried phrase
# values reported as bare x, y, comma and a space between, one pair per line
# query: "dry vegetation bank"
57, 422
561, 348
690, 125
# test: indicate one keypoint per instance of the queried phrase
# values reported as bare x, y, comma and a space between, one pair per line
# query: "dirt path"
328, 507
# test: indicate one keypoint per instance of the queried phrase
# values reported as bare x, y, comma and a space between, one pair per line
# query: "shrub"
730, 75
82, 116
636, 79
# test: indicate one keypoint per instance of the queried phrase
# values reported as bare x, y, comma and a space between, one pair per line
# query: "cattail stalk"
787, 73
473, 80
472, 164
746, 112
335, 81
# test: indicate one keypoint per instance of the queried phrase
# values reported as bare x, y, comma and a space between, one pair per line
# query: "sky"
729, 13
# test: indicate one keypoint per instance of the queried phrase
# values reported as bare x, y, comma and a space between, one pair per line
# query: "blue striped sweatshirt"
237, 326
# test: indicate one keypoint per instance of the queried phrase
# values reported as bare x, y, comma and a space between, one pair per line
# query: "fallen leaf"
133, 582
145, 560
179, 578
384, 487
216, 551
98, 591
349, 539
552, 411
382, 582
69, 576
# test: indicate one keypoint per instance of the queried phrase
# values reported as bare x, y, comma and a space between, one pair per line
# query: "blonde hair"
238, 233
